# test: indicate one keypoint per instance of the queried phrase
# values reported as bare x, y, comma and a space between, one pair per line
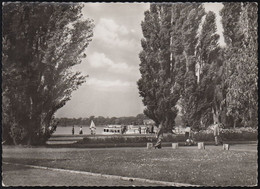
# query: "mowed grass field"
210, 167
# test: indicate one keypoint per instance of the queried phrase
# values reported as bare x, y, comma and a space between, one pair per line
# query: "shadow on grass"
31, 161
7, 167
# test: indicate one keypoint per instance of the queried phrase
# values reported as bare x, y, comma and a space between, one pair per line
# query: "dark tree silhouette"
41, 43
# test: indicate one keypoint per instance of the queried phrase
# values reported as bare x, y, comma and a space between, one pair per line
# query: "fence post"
175, 145
201, 145
149, 145
225, 146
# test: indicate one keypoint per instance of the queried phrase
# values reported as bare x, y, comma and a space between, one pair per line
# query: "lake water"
68, 130
86, 131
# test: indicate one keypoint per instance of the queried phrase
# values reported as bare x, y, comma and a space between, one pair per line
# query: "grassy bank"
210, 167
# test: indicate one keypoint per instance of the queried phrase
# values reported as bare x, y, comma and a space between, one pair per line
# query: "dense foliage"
191, 17
156, 66
209, 72
237, 134
167, 56
183, 65
241, 62
41, 43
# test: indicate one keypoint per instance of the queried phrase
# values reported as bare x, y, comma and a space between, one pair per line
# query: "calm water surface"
68, 130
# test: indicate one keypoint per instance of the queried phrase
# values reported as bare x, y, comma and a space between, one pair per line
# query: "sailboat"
92, 127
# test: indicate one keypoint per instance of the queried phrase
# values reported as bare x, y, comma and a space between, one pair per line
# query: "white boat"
118, 129
92, 128
134, 129
112, 129
92, 125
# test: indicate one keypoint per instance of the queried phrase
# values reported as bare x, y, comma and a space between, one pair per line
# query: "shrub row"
118, 139
204, 135
242, 134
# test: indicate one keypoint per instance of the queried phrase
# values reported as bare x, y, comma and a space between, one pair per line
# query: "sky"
112, 61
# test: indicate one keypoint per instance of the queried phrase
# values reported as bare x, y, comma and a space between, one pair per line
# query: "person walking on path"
216, 131
73, 130
159, 136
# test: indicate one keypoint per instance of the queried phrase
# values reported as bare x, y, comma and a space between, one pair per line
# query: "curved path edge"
104, 175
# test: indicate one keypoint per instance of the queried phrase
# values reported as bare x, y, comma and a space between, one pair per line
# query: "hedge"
118, 139
241, 134
238, 134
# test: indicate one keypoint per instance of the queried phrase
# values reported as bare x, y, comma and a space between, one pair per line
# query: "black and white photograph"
130, 94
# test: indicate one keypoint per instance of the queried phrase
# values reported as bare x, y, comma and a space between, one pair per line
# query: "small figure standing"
216, 133
73, 130
124, 129
147, 130
190, 141
93, 131
187, 132
80, 130
139, 129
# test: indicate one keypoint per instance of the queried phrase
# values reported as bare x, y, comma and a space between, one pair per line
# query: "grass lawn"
210, 167
19, 175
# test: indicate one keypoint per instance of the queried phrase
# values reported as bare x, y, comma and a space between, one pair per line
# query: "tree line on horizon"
183, 64
101, 121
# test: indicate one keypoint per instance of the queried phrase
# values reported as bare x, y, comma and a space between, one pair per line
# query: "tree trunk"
215, 115
33, 128
29, 133
235, 123
14, 141
159, 135
29, 140
167, 124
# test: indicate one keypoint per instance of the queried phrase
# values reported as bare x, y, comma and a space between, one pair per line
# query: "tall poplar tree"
149, 66
168, 61
157, 65
41, 43
209, 72
191, 14
241, 61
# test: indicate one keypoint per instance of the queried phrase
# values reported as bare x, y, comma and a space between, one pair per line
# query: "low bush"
241, 134
118, 139
173, 138
203, 136
131, 139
